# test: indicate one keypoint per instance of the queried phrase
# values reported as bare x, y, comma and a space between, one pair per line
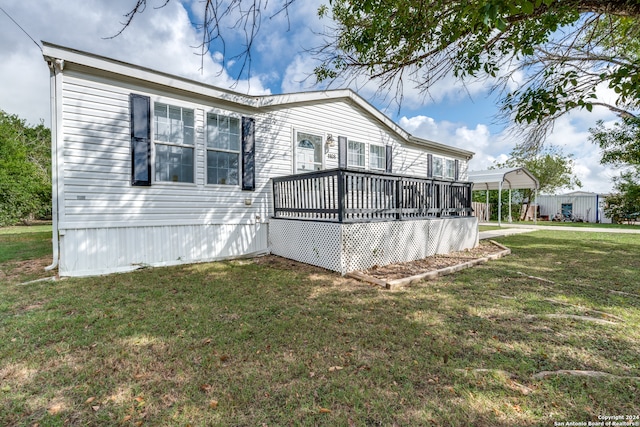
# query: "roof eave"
52, 51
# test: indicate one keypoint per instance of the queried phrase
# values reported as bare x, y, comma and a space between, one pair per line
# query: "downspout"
55, 66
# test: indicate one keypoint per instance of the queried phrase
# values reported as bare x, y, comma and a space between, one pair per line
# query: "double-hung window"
223, 149
377, 157
174, 143
356, 154
438, 167
450, 169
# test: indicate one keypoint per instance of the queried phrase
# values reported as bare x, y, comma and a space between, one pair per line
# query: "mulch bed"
406, 273
436, 262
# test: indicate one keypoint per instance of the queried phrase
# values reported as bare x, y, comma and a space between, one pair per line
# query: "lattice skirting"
350, 247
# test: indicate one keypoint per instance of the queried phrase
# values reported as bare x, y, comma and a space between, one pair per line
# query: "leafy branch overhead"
548, 57
557, 53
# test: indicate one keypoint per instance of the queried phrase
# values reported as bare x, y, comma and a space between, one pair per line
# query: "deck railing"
343, 195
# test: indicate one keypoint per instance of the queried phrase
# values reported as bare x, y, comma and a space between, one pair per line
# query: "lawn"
564, 224
269, 342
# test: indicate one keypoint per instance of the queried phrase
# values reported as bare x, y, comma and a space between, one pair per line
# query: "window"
451, 169
437, 166
223, 149
174, 143
377, 157
140, 139
308, 152
355, 154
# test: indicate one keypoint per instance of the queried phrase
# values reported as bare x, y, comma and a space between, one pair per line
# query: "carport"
499, 179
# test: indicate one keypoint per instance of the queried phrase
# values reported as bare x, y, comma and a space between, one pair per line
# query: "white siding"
108, 225
338, 118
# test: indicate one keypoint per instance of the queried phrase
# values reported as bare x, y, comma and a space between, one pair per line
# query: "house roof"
494, 179
52, 52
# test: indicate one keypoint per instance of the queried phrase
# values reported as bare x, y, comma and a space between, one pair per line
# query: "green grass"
270, 342
569, 224
21, 229
24, 246
489, 227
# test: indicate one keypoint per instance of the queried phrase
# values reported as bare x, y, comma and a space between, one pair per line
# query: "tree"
624, 205
220, 18
620, 144
564, 48
25, 170
551, 167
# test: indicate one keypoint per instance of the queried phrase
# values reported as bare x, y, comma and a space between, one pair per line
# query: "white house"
152, 169
582, 205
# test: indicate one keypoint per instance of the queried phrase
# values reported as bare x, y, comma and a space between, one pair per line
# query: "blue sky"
163, 39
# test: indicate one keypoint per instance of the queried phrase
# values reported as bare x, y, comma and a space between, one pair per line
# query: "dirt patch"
19, 271
316, 274
383, 275
432, 263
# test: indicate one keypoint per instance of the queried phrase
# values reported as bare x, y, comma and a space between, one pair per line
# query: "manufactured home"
151, 169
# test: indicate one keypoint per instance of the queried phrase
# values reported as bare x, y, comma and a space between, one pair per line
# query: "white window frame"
438, 160
384, 157
351, 155
321, 135
208, 149
156, 141
450, 169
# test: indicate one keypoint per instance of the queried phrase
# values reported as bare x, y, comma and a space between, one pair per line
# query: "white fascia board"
437, 146
52, 52
315, 97
349, 95
55, 52
331, 95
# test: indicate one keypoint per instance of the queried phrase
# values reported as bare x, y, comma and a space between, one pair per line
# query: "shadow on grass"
275, 342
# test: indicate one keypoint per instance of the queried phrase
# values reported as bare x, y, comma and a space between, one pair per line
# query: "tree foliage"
557, 52
564, 50
620, 144
624, 204
25, 170
552, 168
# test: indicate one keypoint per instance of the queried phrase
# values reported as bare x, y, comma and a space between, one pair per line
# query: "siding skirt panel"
95, 251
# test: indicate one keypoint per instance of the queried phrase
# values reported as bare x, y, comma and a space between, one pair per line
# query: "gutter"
55, 66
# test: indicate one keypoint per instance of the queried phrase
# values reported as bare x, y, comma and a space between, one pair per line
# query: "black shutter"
388, 159
140, 109
248, 154
342, 152
429, 165
457, 173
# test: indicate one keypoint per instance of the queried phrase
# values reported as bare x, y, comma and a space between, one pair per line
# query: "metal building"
578, 205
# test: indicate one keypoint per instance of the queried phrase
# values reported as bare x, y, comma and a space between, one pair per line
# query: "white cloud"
490, 148
164, 39
161, 39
